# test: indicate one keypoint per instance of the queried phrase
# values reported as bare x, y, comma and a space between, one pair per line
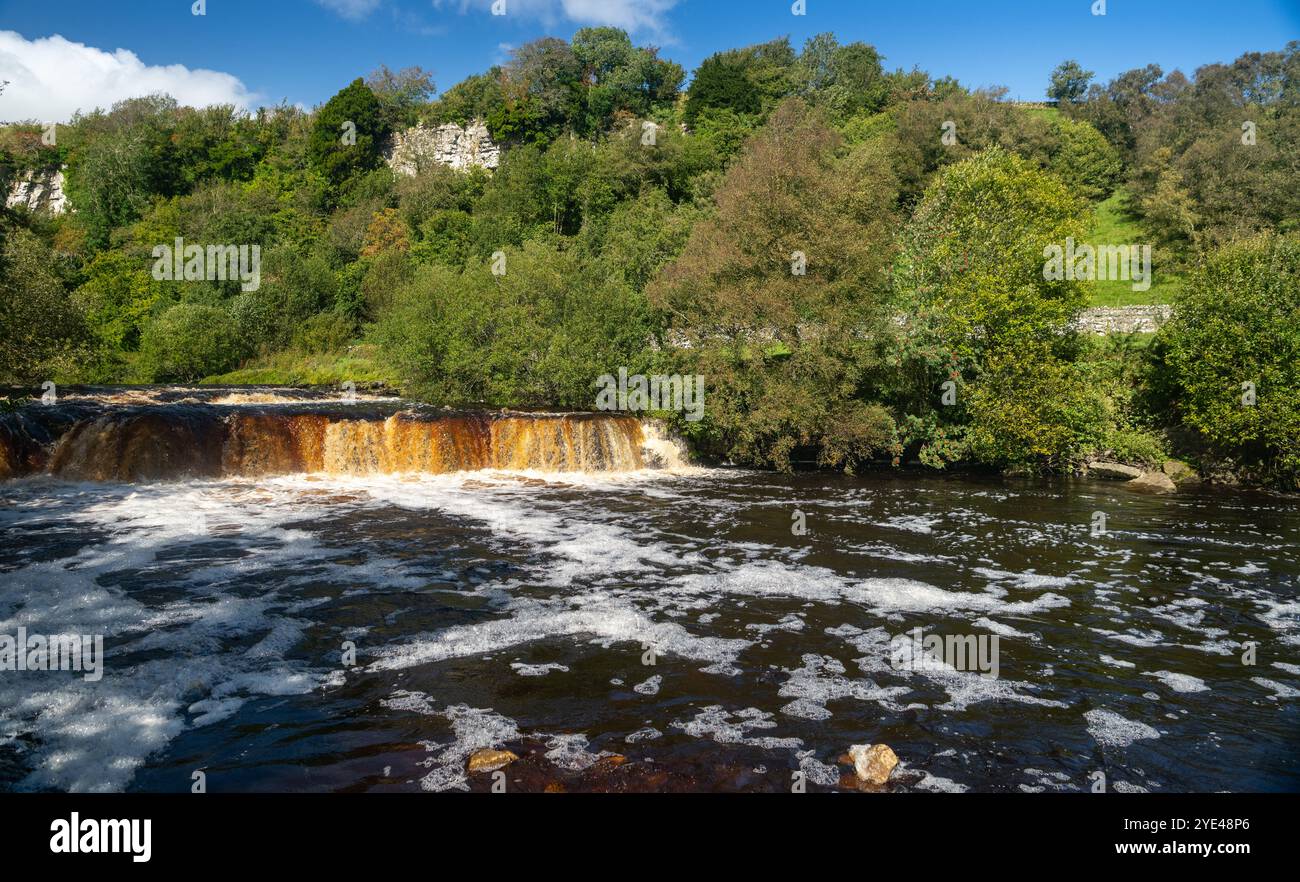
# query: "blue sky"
261, 51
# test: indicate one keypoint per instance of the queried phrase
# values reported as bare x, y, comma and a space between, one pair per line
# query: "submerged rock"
873, 763
490, 760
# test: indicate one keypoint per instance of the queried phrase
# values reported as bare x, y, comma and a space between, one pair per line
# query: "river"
631, 628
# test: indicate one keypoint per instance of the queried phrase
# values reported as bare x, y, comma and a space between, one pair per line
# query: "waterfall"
201, 440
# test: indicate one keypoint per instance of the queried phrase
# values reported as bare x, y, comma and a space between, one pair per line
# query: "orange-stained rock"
873, 763
490, 760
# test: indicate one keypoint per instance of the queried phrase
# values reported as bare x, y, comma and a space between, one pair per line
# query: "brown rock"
873, 762
490, 760
1114, 470
1153, 482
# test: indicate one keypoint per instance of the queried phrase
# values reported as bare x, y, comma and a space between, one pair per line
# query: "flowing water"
526, 582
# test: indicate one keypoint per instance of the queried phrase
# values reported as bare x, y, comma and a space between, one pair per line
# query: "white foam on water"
604, 620
717, 723
570, 752
821, 680
84, 736
816, 771
1179, 682
649, 687
646, 733
1003, 630
524, 670
473, 729
934, 783
1280, 690
1282, 616
1117, 663
1134, 637
1111, 730
1028, 579
965, 688
905, 595
911, 524
792, 622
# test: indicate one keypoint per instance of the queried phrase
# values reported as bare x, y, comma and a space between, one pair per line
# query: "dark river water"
672, 619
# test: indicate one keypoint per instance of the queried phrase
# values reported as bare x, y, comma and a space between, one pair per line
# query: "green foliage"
1085, 160
1238, 322
786, 355
721, 84
979, 121
845, 80
1030, 406
348, 134
325, 333
539, 335
973, 254
187, 342
1069, 82
401, 95
983, 317
112, 178
41, 330
1212, 159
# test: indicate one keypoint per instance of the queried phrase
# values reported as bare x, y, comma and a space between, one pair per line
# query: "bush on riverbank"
1229, 362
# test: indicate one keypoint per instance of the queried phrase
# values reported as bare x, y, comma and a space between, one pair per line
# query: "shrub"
189, 342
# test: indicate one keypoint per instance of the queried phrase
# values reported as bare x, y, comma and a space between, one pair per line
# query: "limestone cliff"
39, 190
459, 147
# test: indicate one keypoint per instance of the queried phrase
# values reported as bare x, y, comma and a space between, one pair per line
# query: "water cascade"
192, 439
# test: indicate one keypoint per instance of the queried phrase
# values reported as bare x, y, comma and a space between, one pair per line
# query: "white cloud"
51, 78
354, 10
636, 16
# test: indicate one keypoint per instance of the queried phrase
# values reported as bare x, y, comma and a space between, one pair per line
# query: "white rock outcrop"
461, 148
40, 190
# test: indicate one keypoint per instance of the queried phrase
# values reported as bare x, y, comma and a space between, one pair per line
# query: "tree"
1085, 160
1230, 357
348, 135
1069, 82
973, 255
983, 314
401, 94
779, 298
41, 331
721, 84
847, 80
123, 160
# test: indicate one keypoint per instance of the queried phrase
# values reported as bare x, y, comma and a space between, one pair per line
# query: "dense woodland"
924, 254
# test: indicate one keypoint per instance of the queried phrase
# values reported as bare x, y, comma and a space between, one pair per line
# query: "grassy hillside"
1116, 226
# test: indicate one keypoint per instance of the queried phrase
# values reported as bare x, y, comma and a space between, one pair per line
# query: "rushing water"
519, 609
